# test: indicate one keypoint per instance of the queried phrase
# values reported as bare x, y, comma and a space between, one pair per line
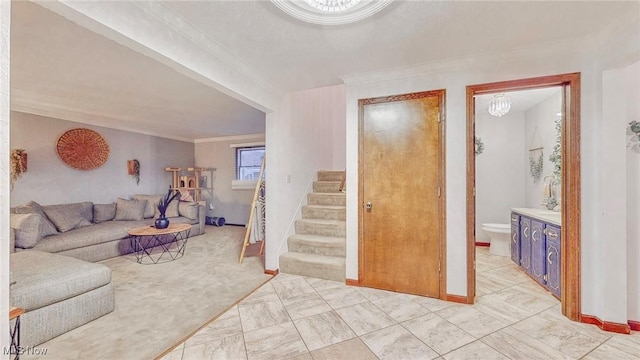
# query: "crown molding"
230, 138
57, 111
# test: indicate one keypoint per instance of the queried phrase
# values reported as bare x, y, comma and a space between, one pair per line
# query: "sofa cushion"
90, 235
130, 209
151, 210
33, 207
70, 216
43, 279
28, 228
188, 209
103, 212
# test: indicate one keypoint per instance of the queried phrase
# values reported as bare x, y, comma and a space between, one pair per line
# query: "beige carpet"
159, 305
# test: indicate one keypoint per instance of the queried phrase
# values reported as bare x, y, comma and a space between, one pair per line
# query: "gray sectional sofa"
54, 248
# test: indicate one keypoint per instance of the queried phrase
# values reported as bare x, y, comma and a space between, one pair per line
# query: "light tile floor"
300, 318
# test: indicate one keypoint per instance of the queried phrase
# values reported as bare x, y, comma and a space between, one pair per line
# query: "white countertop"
553, 217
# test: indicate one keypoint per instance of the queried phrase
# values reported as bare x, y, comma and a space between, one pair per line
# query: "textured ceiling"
62, 66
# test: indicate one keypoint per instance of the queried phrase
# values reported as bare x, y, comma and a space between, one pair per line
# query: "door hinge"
474, 191
439, 191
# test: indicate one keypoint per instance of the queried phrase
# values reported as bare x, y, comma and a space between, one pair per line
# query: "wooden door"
402, 193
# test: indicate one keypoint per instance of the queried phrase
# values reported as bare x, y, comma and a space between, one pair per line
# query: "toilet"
499, 235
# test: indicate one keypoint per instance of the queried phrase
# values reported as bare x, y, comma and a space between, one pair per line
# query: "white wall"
453, 76
5, 21
632, 96
50, 181
542, 117
302, 136
233, 205
500, 169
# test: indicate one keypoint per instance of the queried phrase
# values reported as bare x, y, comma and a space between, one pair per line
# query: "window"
248, 162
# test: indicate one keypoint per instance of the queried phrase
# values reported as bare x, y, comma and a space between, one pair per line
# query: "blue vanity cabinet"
525, 243
515, 238
538, 268
553, 259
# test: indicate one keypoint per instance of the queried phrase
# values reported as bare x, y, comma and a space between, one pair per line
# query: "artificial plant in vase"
162, 222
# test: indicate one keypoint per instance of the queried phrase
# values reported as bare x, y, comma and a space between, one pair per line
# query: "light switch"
288, 179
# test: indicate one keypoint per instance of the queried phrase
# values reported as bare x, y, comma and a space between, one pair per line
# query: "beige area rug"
159, 305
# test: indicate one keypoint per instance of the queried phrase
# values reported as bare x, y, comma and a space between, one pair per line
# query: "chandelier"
331, 6
499, 105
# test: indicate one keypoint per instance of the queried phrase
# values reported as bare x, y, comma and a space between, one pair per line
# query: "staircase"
317, 249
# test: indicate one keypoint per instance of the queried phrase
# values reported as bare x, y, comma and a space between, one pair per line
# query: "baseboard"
352, 282
485, 244
606, 325
457, 299
227, 224
272, 272
634, 325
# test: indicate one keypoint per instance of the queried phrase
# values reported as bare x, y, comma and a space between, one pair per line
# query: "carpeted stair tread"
317, 266
325, 175
335, 199
323, 227
326, 186
316, 244
327, 212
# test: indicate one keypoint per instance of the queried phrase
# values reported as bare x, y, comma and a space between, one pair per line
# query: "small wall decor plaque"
82, 149
133, 168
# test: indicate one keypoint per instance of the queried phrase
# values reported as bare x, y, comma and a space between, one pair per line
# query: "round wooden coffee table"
152, 244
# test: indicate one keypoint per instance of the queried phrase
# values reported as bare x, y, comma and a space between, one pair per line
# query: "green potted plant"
162, 222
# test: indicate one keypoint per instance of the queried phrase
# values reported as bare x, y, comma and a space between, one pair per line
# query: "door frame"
441, 167
570, 230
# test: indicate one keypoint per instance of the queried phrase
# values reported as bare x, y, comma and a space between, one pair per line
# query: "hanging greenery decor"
479, 145
18, 164
536, 163
556, 154
634, 140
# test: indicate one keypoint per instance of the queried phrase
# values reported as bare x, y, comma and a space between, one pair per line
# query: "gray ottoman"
58, 294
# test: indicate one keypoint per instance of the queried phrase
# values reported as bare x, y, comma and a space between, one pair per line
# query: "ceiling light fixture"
332, 5
499, 105
331, 12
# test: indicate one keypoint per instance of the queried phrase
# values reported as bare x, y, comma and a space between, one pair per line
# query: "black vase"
162, 223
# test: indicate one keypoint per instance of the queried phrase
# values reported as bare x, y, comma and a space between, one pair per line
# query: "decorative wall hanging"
133, 168
634, 139
536, 158
18, 164
82, 149
478, 144
556, 154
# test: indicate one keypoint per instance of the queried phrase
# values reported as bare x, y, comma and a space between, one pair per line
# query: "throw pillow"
188, 209
33, 207
104, 212
130, 209
151, 210
68, 216
172, 209
28, 229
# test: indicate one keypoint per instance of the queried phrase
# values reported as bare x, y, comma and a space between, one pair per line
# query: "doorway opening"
569, 187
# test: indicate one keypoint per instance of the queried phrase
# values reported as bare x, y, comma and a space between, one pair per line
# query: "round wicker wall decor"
82, 149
